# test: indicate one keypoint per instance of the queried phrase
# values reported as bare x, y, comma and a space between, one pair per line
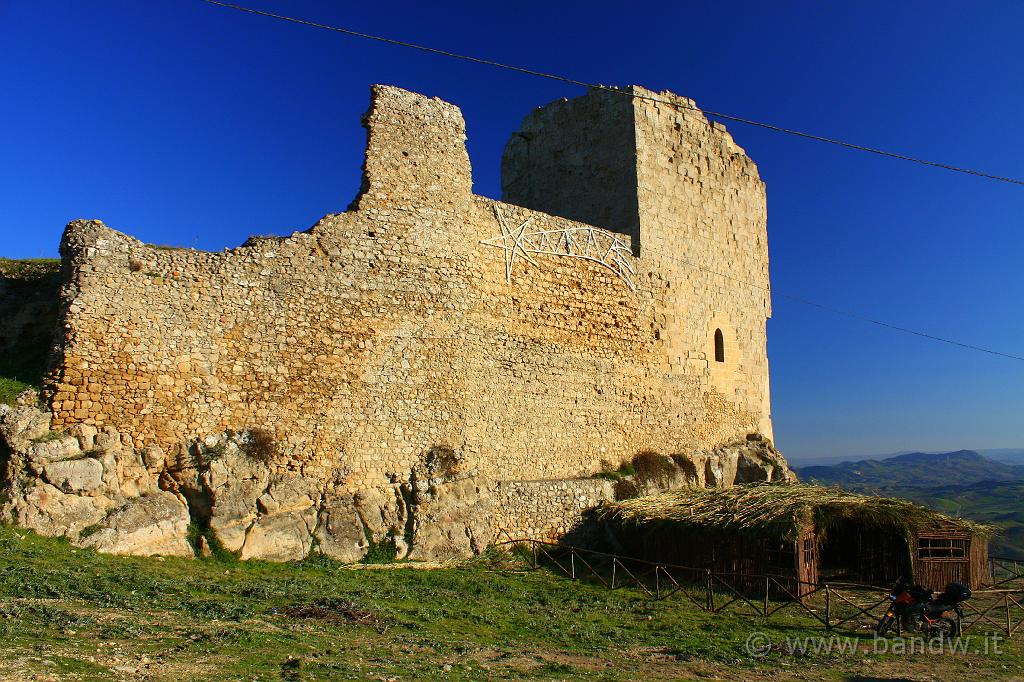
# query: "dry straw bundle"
777, 508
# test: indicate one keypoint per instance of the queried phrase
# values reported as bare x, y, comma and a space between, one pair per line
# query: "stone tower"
693, 206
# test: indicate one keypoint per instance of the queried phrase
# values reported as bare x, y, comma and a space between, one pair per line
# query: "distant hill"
963, 467
961, 483
1007, 455
1000, 503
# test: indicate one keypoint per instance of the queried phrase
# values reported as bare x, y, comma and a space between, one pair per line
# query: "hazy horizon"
813, 460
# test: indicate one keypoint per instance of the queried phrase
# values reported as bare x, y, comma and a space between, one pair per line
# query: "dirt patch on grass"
335, 611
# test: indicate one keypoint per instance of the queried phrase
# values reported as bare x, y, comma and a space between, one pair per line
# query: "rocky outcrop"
752, 460
92, 486
155, 523
748, 461
48, 511
95, 488
451, 517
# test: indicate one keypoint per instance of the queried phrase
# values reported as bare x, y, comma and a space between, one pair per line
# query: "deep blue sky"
182, 123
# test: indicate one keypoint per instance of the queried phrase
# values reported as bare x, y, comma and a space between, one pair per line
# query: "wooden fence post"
711, 594
572, 563
1006, 602
766, 579
828, 607
533, 546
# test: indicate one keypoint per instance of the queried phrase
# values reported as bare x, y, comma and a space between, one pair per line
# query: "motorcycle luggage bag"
955, 593
920, 594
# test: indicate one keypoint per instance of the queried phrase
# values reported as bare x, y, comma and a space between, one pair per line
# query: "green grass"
22, 368
11, 389
74, 614
615, 474
28, 268
23, 365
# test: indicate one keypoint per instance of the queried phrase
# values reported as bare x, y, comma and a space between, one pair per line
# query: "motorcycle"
915, 608
904, 600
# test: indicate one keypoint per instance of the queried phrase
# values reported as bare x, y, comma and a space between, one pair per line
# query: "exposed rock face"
48, 511
339, 533
752, 460
92, 487
451, 518
156, 523
22, 424
75, 476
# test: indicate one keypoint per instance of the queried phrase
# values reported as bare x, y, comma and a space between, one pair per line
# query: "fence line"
999, 607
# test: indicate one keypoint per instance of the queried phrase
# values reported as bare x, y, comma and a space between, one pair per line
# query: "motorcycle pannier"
955, 593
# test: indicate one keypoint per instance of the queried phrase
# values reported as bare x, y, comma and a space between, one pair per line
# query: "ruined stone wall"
412, 322
545, 510
697, 208
703, 215
577, 159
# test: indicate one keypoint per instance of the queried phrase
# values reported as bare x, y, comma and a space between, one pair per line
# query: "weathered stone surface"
153, 457
54, 450
224, 492
86, 435
545, 510
280, 537
27, 398
451, 519
19, 425
76, 475
48, 511
404, 324
152, 524
382, 511
132, 477
283, 527
751, 460
339, 533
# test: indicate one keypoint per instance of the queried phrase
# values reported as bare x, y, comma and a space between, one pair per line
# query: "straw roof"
780, 509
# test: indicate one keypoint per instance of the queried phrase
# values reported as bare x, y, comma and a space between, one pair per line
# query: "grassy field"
71, 614
23, 363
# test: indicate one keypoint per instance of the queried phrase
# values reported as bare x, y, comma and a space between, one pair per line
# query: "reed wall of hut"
945, 555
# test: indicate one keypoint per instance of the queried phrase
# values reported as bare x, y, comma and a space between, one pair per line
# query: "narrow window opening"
719, 346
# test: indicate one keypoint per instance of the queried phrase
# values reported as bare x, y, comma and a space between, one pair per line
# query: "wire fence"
996, 608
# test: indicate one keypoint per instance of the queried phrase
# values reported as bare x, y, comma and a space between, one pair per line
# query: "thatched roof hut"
804, 531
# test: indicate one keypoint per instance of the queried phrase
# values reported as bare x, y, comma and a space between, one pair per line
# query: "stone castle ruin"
430, 369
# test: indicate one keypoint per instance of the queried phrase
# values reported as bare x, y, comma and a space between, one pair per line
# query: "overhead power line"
797, 299
596, 86
832, 309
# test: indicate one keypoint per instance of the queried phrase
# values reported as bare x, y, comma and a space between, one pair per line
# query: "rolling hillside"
961, 483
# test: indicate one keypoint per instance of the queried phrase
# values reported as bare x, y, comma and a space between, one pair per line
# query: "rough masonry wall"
699, 208
545, 510
703, 215
382, 333
577, 159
